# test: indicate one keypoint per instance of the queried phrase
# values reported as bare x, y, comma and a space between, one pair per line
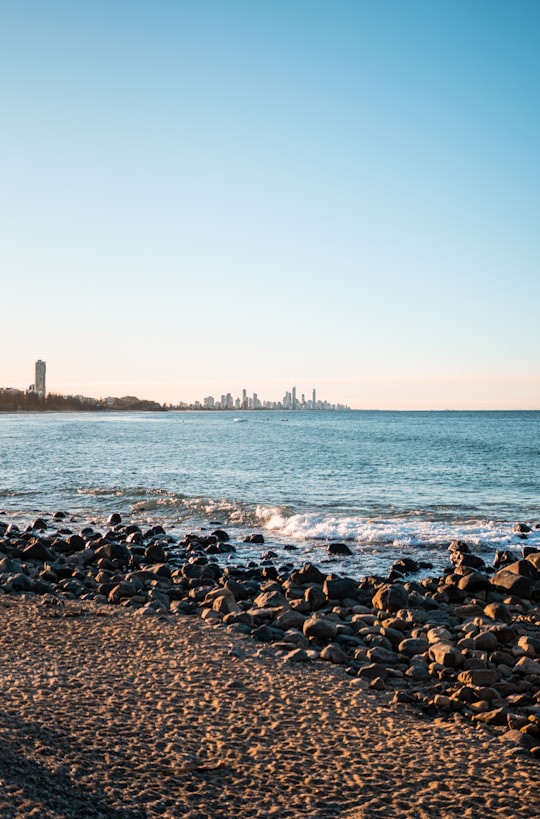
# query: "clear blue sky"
201, 196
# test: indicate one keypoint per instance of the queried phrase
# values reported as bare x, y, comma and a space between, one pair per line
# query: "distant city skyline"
198, 394
202, 196
290, 400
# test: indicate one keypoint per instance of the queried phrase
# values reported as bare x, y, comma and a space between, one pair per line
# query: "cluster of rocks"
466, 642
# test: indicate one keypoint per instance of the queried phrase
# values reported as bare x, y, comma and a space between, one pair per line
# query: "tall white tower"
39, 383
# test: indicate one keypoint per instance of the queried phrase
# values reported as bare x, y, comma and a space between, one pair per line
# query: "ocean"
389, 484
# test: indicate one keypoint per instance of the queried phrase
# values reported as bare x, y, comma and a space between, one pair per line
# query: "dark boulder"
12, 529
76, 543
469, 561
307, 574
474, 582
20, 582
315, 597
498, 611
338, 549
112, 551
267, 634
534, 559
36, 550
320, 629
503, 557
337, 588
524, 568
155, 531
512, 583
222, 536
155, 553
390, 598
459, 546
405, 565
373, 670
255, 538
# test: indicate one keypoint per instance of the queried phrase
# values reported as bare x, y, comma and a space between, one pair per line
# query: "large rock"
290, 619
498, 611
485, 641
36, 550
226, 605
503, 557
72, 543
459, 546
338, 549
334, 654
113, 551
378, 654
413, 646
315, 597
390, 598
524, 568
528, 666
515, 584
473, 582
373, 670
320, 629
337, 588
307, 574
124, 590
478, 677
447, 655
405, 565
154, 553
461, 559
20, 582
221, 535
9, 566
534, 558
254, 538
271, 599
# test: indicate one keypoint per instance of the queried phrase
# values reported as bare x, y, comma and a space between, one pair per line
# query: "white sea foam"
405, 531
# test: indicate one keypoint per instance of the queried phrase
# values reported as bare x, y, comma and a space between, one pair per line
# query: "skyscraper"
39, 383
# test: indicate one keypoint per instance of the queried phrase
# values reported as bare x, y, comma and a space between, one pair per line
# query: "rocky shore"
461, 650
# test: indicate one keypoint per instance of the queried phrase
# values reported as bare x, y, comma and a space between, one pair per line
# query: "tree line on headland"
21, 401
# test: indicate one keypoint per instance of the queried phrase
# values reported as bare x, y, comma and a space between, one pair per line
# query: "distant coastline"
12, 400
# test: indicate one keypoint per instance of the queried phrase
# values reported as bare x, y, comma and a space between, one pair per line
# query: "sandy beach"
108, 712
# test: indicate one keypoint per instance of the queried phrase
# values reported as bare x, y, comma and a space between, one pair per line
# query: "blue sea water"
388, 483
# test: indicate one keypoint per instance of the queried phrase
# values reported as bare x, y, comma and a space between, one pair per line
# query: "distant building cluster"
290, 401
36, 398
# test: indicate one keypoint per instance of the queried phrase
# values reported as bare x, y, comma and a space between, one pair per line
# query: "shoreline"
138, 685
107, 714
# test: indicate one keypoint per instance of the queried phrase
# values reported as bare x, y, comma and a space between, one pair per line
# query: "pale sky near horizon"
202, 196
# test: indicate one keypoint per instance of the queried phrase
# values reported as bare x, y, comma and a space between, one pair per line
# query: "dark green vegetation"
20, 401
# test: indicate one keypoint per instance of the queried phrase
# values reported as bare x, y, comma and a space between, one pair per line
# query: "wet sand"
110, 713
